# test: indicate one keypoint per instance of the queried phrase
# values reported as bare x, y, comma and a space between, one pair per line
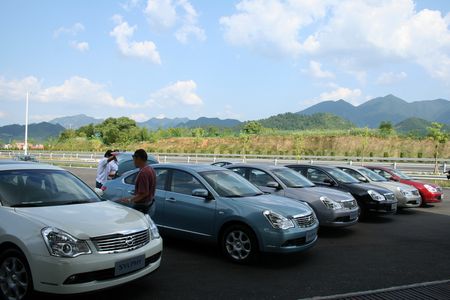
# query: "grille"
389, 197
305, 221
349, 204
415, 192
121, 242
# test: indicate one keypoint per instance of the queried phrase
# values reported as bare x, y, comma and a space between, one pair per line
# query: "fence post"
444, 167
350, 162
165, 158
395, 165
188, 159
276, 161
311, 162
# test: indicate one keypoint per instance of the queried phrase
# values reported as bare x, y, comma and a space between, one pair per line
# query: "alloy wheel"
14, 282
238, 245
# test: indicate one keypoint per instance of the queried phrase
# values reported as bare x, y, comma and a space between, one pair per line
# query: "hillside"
163, 123
291, 121
415, 126
38, 132
388, 108
210, 122
75, 121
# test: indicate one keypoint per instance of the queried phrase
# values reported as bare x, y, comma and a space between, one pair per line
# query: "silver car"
407, 196
333, 208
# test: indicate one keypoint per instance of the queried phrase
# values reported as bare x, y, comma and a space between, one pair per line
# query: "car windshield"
229, 184
372, 175
401, 174
291, 178
341, 176
29, 188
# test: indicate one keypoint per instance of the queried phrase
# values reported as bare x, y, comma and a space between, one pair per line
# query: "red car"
430, 193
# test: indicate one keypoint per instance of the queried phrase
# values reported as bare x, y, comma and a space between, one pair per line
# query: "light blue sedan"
213, 203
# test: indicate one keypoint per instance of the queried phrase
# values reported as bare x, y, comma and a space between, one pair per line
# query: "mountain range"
387, 108
76, 121
38, 132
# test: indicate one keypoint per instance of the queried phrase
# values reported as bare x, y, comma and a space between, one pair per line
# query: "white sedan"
58, 236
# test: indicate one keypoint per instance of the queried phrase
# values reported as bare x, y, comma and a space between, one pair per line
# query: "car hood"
392, 185
89, 220
285, 206
335, 195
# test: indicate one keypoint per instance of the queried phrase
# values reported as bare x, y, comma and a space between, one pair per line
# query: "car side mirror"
202, 193
362, 179
328, 181
99, 192
273, 185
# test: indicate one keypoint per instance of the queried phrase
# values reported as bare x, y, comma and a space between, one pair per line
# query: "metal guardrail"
422, 168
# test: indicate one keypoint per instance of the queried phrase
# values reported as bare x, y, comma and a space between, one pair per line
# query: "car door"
184, 212
128, 190
260, 178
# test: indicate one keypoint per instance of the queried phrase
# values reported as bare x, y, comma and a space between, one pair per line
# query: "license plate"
129, 265
353, 215
394, 206
310, 236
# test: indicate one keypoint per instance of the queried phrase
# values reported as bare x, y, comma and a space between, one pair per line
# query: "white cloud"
179, 93
390, 78
228, 113
80, 46
362, 33
353, 96
273, 26
167, 14
139, 117
123, 33
74, 90
129, 5
315, 69
160, 116
72, 30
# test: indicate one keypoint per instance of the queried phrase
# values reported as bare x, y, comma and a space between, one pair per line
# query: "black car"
125, 162
371, 198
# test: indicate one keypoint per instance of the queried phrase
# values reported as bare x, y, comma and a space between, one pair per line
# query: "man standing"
104, 169
145, 185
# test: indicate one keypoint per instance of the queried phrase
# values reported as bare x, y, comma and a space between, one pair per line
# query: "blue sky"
228, 59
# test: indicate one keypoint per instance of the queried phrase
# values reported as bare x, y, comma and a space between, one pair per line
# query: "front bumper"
51, 274
429, 197
288, 241
408, 202
338, 218
382, 207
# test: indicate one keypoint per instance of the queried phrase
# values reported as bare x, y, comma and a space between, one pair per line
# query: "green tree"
440, 137
386, 128
252, 127
244, 139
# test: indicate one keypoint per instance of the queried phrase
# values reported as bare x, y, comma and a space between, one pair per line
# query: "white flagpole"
25, 147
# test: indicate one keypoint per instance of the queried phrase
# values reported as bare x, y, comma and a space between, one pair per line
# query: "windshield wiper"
234, 196
73, 202
32, 204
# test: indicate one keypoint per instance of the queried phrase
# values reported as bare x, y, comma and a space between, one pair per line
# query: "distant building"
20, 146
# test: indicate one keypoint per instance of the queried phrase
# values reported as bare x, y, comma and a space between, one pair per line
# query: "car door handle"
171, 199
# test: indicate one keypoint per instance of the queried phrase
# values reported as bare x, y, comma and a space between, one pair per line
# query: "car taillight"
103, 188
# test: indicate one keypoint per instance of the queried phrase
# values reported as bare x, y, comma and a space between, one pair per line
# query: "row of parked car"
51, 220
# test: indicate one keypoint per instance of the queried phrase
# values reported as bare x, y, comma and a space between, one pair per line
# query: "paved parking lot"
410, 247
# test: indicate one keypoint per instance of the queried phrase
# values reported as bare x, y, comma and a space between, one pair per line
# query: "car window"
43, 188
352, 173
161, 177
184, 183
239, 171
261, 178
291, 178
317, 176
382, 173
131, 179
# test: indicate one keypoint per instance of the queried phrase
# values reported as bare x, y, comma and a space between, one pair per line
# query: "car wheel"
239, 244
15, 276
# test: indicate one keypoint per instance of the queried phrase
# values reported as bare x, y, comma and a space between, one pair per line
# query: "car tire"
239, 244
15, 276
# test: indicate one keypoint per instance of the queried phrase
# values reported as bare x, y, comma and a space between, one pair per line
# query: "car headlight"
62, 244
430, 188
331, 204
376, 196
405, 192
278, 221
154, 232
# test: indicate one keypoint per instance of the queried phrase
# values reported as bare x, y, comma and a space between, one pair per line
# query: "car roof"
6, 165
379, 167
325, 167
190, 167
256, 166
356, 168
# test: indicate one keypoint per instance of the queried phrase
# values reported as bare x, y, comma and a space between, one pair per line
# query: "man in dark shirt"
145, 184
